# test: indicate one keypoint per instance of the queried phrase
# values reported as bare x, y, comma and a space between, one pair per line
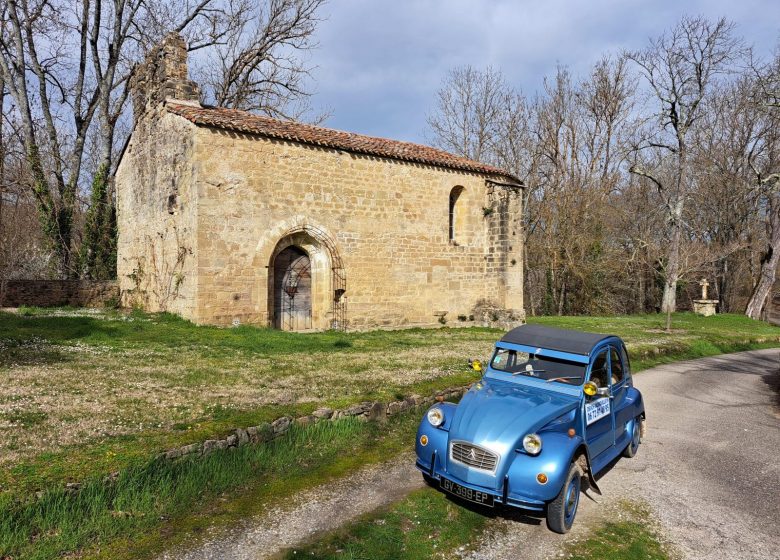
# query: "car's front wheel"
562, 510
430, 481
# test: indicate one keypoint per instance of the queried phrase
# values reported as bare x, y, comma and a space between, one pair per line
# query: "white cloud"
380, 62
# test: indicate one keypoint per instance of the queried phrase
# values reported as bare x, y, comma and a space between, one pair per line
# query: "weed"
418, 527
634, 536
133, 505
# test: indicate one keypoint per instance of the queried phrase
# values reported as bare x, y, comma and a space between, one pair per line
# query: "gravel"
313, 512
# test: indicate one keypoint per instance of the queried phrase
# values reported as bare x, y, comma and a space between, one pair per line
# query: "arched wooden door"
292, 290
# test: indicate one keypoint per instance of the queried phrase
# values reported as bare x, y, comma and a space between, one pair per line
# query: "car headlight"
532, 444
436, 416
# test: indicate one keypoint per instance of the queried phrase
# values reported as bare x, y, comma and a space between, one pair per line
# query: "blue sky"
380, 62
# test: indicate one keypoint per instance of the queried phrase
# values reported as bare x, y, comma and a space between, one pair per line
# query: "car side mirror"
476, 365
593, 390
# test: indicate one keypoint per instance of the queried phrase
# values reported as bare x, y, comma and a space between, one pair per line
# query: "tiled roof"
241, 121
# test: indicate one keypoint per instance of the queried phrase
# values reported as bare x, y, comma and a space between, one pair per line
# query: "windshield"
541, 367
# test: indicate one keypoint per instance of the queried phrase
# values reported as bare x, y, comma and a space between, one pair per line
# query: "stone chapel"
226, 217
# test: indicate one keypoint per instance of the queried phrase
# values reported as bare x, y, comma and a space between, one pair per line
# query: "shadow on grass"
14, 355
169, 331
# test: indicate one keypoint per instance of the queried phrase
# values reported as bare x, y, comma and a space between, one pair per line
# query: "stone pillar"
504, 259
705, 306
163, 75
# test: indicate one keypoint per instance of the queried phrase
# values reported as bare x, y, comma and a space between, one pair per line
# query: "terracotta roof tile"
242, 121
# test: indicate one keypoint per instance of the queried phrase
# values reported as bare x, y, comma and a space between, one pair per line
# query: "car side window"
626, 361
598, 373
618, 373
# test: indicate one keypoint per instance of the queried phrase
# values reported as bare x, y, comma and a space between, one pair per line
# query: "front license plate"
466, 493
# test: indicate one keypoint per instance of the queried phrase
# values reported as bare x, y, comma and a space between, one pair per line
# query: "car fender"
436, 447
635, 397
558, 452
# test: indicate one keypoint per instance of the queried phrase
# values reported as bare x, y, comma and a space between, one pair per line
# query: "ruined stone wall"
156, 215
387, 221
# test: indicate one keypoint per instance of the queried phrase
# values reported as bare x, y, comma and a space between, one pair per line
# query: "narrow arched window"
456, 213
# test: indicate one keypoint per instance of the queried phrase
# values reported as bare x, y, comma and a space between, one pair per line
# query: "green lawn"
157, 504
86, 393
633, 536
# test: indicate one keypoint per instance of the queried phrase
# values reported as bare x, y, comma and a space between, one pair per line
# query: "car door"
621, 381
618, 389
599, 432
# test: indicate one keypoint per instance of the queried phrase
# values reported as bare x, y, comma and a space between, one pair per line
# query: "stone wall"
203, 213
385, 221
50, 293
156, 214
371, 411
163, 75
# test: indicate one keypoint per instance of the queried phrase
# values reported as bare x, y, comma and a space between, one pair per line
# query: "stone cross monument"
705, 306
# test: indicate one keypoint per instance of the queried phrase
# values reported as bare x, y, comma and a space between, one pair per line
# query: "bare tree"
764, 160
469, 107
680, 68
67, 67
261, 64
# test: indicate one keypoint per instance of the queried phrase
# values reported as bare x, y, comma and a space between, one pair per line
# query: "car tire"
636, 438
562, 510
430, 481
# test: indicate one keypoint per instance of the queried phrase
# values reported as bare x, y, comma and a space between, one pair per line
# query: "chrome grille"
473, 456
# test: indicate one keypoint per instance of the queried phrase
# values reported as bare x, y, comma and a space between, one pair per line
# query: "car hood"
497, 415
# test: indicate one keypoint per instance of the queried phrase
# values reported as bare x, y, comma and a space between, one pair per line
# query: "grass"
426, 524
95, 391
634, 536
121, 518
416, 528
85, 393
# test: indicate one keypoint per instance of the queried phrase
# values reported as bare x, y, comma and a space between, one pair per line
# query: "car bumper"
506, 497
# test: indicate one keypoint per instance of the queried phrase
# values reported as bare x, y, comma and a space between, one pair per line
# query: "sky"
380, 62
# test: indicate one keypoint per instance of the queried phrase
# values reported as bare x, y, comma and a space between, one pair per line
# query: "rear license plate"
475, 496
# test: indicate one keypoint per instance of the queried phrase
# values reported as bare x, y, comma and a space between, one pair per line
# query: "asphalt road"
712, 472
708, 469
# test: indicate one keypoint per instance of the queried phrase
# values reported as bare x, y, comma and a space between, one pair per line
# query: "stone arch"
328, 277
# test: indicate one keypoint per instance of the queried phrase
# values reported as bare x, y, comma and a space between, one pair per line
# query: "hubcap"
635, 439
572, 499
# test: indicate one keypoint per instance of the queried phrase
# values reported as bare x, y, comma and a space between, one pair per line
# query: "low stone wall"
50, 293
369, 411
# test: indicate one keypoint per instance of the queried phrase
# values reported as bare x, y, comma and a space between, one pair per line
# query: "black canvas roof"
562, 340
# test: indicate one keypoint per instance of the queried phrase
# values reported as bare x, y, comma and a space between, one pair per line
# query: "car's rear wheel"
636, 438
562, 510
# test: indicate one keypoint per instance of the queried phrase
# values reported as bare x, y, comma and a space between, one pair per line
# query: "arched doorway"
320, 300
292, 290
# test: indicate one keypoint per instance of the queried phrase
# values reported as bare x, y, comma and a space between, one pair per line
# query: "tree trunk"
562, 299
676, 204
769, 262
672, 275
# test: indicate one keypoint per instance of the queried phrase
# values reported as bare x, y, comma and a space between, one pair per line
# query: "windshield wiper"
529, 372
564, 377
